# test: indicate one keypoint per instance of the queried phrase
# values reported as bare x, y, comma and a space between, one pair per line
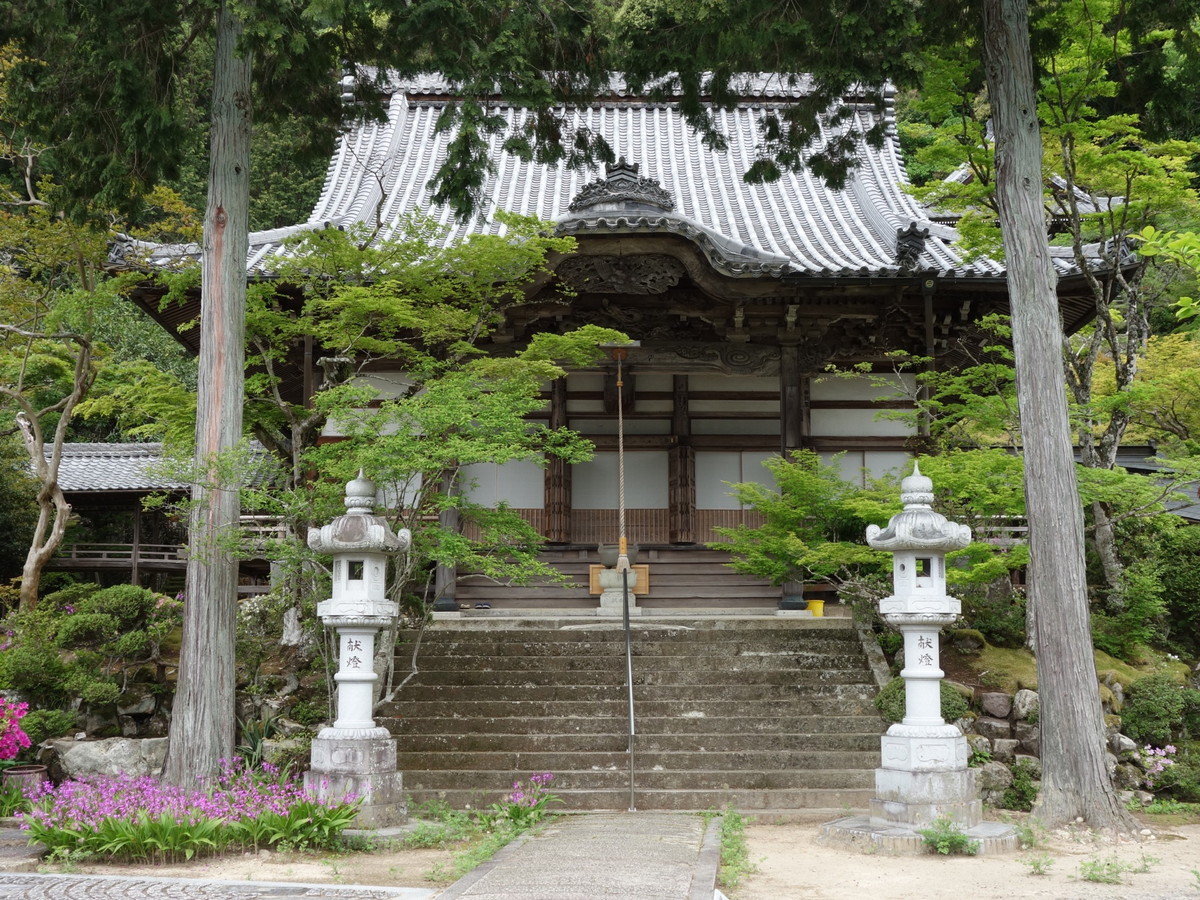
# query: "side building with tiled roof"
112, 537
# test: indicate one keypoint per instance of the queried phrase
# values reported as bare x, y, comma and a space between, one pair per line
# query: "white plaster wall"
594, 483
520, 483
858, 466
859, 422
862, 387
716, 469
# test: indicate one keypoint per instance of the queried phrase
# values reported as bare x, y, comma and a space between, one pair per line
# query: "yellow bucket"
816, 607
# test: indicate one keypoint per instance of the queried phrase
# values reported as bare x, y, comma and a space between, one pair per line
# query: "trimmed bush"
890, 702
1159, 711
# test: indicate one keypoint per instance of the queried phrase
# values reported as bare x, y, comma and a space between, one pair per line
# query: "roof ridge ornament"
622, 184
910, 244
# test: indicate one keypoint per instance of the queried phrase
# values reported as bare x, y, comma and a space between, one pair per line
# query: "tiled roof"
113, 467
796, 224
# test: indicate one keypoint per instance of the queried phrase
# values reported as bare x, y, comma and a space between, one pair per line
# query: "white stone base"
795, 613
916, 799
871, 837
612, 603
364, 768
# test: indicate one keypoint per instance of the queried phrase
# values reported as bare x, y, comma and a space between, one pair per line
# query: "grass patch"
735, 852
946, 837
1006, 669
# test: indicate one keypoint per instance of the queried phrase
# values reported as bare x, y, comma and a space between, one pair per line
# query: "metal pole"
629, 682
623, 566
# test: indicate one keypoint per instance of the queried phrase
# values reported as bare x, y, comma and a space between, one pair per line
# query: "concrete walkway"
631, 856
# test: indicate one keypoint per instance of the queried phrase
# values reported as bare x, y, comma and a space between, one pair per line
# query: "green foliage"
1039, 863
1138, 620
1180, 578
43, 724
978, 758
890, 702
945, 836
12, 798
998, 614
735, 851
1160, 711
814, 523
1111, 871
1184, 777
1021, 794
17, 508
102, 636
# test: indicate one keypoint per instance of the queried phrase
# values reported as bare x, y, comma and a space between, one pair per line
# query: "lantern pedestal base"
361, 767
612, 593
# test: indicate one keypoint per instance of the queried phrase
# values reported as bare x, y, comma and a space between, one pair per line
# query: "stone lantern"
923, 774
354, 756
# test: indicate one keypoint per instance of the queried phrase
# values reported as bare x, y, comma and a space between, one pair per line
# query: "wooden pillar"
135, 575
927, 288
445, 578
558, 474
682, 468
794, 424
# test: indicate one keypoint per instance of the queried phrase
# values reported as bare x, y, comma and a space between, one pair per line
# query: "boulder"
996, 704
137, 701
979, 742
1121, 744
113, 756
993, 728
1128, 776
1004, 750
1030, 762
1029, 737
1024, 703
993, 780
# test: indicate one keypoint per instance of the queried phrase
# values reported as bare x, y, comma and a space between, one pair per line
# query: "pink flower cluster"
237, 794
1154, 761
535, 794
12, 738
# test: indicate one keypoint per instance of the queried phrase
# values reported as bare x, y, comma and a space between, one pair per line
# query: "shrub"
86, 628
43, 724
129, 604
890, 702
999, 617
1135, 617
1181, 587
1021, 794
1155, 710
1185, 774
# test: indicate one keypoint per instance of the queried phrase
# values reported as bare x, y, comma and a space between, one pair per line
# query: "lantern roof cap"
918, 526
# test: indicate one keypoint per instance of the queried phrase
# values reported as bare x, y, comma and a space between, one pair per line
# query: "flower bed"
141, 819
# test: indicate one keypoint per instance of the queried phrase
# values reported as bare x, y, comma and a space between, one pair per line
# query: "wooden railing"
85, 552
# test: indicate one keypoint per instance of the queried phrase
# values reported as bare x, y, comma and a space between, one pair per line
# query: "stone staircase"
762, 713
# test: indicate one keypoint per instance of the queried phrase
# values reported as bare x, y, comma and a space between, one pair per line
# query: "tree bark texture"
203, 719
1075, 778
53, 509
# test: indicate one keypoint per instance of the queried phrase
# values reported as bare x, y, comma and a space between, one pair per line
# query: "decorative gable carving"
622, 184
652, 273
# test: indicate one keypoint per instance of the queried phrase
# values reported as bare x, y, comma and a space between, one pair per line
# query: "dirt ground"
791, 865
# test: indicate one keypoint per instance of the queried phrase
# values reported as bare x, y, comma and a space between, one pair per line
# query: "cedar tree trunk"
1075, 779
203, 719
